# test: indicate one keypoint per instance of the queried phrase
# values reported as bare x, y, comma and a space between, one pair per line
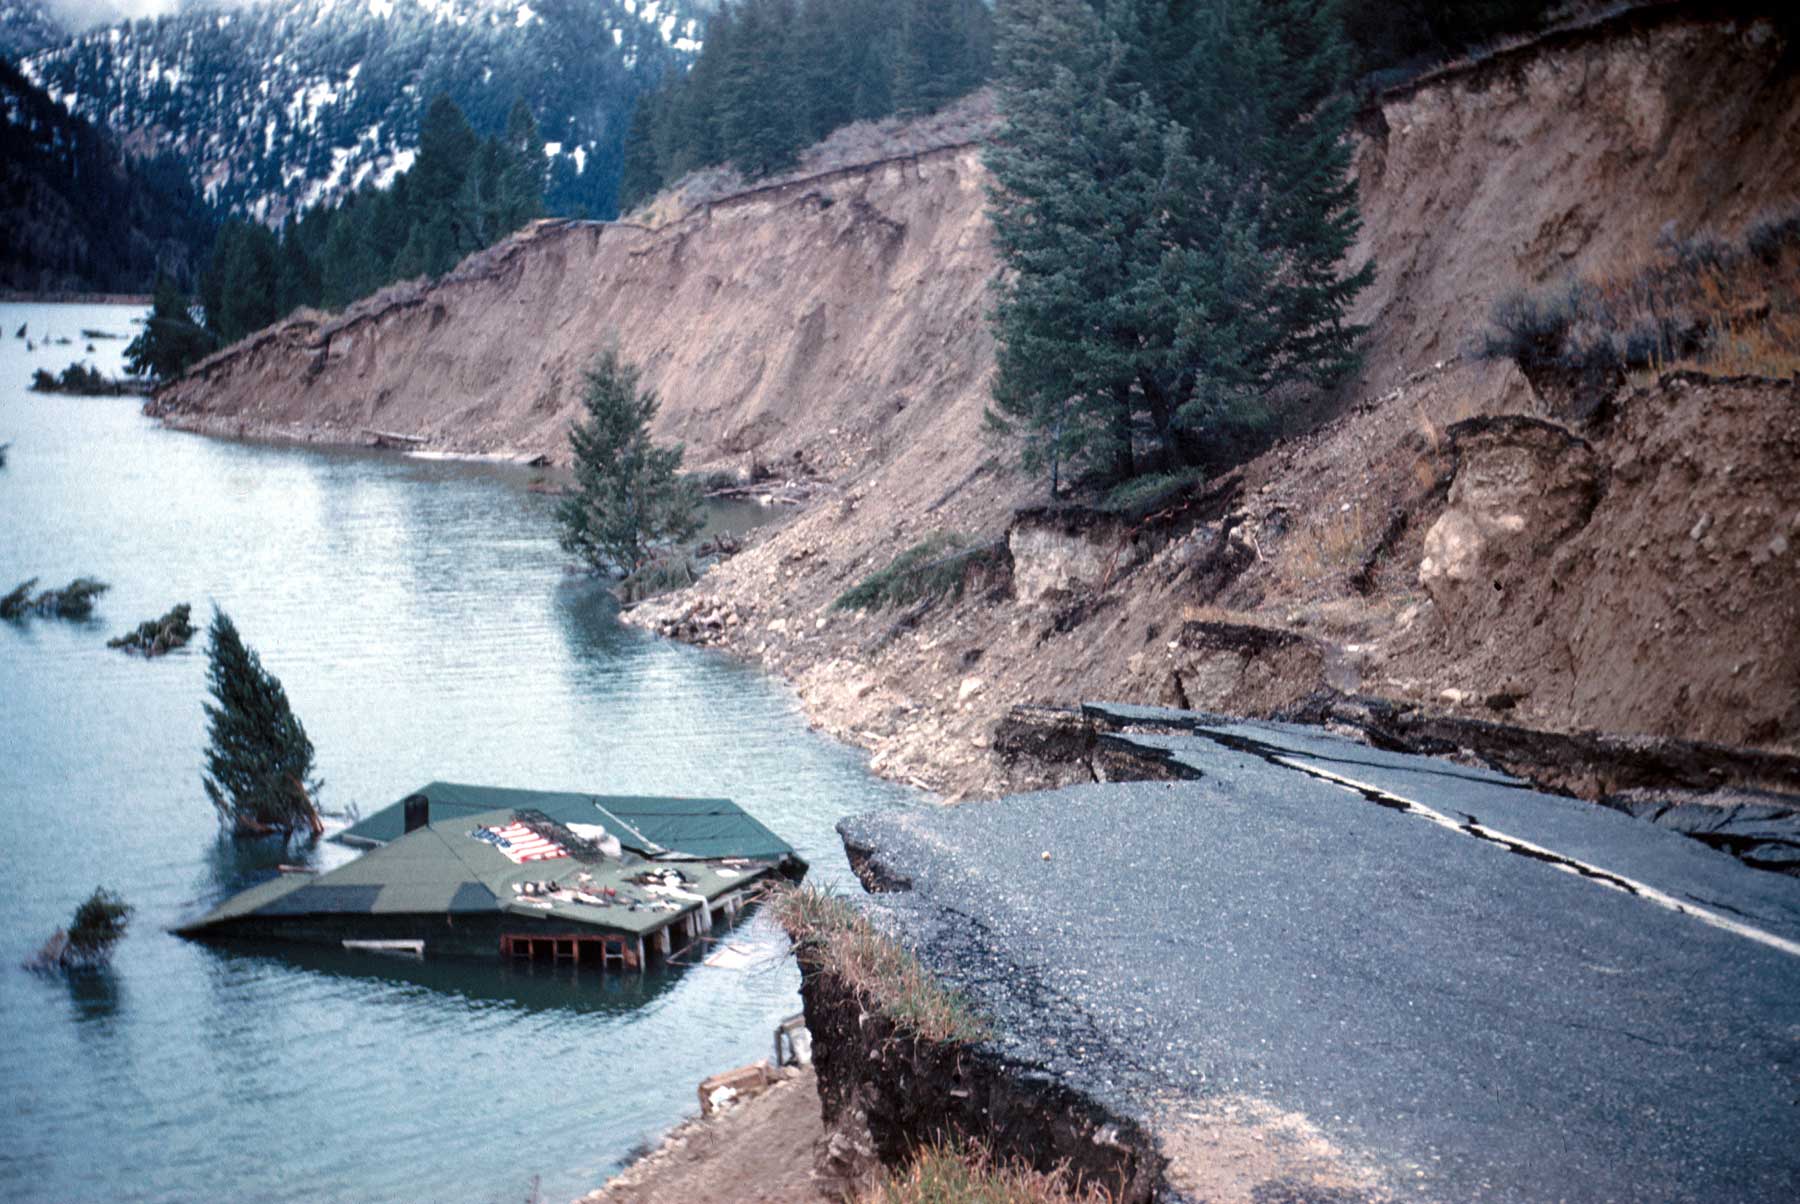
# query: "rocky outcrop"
1642, 582
1521, 487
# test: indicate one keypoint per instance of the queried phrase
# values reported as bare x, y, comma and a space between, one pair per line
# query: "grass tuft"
1143, 496
887, 976
939, 566
941, 1174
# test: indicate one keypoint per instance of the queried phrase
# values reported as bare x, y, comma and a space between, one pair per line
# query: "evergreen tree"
171, 339
522, 176
259, 761
1174, 205
760, 128
629, 496
642, 174
926, 67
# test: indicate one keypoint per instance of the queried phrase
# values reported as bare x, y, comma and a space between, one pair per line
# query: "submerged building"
479, 871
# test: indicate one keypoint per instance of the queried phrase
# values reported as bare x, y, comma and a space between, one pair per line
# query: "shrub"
882, 973
935, 568
1705, 304
1531, 329
659, 575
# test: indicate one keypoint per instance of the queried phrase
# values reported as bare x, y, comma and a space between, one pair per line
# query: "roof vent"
418, 812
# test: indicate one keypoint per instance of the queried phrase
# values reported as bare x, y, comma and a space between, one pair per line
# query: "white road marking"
1562, 861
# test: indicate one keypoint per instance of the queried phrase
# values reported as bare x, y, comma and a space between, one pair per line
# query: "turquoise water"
419, 614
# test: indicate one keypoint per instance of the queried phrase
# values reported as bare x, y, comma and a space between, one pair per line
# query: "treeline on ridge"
775, 76
462, 193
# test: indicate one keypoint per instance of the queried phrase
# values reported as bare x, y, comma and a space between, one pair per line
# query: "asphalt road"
1474, 991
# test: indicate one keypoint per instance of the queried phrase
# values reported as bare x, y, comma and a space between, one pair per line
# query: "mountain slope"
76, 214
26, 26
281, 104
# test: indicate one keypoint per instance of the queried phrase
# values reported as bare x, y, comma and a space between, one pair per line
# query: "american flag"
521, 844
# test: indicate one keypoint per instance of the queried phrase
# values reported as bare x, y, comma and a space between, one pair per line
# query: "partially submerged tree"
171, 339
153, 637
73, 601
259, 762
88, 941
629, 497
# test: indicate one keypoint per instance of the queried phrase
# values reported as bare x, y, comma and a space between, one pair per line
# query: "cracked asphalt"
1468, 1022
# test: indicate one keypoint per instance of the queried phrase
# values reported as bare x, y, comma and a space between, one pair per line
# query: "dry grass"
1332, 545
1728, 309
970, 1175
882, 973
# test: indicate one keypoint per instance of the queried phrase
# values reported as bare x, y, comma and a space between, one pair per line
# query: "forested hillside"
777, 75
25, 26
277, 105
76, 214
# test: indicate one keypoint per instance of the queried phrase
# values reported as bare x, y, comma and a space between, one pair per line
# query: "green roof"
691, 827
446, 868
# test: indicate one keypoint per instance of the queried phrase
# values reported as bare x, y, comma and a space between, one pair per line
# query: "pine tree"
629, 496
1173, 202
642, 172
925, 67
171, 339
521, 192
259, 761
760, 125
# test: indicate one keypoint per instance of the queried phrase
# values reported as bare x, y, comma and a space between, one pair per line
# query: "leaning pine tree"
629, 497
259, 764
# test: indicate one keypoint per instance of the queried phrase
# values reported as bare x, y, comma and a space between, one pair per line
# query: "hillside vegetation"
77, 214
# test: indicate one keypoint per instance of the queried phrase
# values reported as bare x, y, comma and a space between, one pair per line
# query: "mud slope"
765, 321
1567, 158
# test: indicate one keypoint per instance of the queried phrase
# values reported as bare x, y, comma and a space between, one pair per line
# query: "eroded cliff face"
1566, 158
833, 327
851, 300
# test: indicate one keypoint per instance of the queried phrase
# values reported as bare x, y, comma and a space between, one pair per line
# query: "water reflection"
95, 995
522, 986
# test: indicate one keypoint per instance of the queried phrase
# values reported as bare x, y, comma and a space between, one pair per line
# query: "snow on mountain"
26, 26
283, 103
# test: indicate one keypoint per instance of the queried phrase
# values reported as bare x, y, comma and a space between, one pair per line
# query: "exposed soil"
756, 1152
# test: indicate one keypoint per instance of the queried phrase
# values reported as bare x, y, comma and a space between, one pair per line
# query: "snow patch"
402, 161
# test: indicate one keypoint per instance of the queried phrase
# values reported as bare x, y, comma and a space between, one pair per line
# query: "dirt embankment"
1625, 577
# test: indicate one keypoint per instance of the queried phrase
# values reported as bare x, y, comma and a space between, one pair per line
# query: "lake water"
420, 616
